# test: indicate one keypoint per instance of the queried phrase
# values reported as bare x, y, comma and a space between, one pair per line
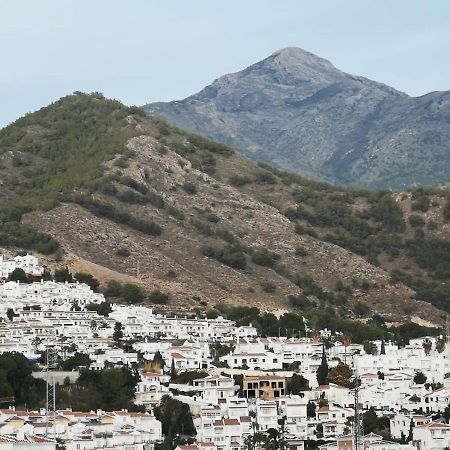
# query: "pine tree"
322, 371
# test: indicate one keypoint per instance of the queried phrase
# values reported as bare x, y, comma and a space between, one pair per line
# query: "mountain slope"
207, 226
298, 112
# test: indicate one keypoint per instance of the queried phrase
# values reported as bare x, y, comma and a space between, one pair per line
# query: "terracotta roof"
231, 421
435, 425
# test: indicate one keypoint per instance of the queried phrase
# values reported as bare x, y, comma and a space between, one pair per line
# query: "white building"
28, 263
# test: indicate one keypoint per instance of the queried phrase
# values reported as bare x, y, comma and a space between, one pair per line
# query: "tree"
173, 372
311, 409
175, 417
62, 275
10, 314
446, 414
340, 375
420, 378
18, 275
383, 348
410, 434
113, 289
88, 279
132, 293
322, 371
158, 297
16, 380
297, 384
427, 346
111, 388
370, 348
118, 333
440, 345
370, 420
102, 309
158, 360
76, 361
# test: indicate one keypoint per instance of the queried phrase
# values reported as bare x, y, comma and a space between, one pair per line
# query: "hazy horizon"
147, 51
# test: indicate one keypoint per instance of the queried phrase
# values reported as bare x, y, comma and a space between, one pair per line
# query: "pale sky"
140, 51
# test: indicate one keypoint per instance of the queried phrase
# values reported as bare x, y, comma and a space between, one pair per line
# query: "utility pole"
447, 334
357, 427
50, 364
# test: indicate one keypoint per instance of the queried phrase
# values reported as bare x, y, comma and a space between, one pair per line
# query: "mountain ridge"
298, 112
92, 177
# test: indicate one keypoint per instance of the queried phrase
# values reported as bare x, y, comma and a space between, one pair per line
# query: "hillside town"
238, 389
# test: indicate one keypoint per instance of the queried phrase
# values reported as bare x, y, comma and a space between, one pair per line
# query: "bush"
422, 203
239, 180
269, 287
122, 251
190, 188
158, 297
229, 255
102, 309
132, 293
300, 251
113, 289
264, 257
416, 221
88, 279
265, 177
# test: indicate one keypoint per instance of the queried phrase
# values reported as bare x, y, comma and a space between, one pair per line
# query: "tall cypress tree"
322, 371
173, 372
383, 348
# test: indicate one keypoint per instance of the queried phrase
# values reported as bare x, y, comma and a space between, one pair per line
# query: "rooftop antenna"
357, 432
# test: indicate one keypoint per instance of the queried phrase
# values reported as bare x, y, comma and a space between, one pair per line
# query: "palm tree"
36, 342
427, 346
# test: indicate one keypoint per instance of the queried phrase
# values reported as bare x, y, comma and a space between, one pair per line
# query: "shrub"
269, 287
132, 293
230, 255
300, 251
422, 203
264, 257
113, 289
190, 188
123, 251
158, 297
416, 221
239, 180
265, 177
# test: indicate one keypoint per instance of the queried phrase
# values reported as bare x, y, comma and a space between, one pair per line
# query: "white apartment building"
28, 263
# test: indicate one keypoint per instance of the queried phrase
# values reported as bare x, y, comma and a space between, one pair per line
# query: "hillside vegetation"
100, 187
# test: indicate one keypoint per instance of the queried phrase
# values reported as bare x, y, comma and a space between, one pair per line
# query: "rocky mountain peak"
298, 112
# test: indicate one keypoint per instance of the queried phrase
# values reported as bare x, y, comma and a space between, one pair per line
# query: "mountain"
297, 112
90, 183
